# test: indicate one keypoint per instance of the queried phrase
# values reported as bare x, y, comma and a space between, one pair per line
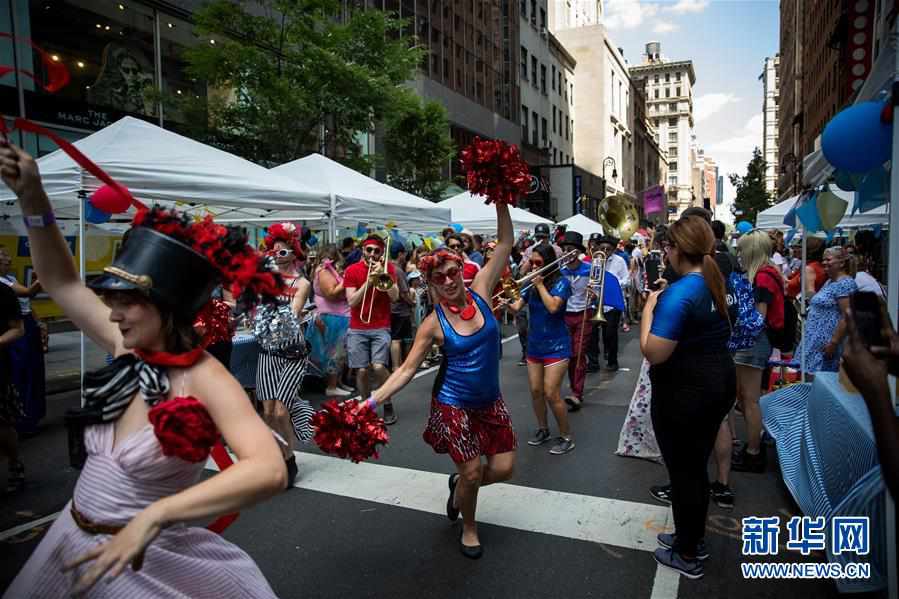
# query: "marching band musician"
368, 339
580, 326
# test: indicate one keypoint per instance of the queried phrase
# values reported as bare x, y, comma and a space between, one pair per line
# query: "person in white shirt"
780, 262
617, 267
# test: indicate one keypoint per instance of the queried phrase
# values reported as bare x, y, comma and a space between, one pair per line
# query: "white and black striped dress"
280, 373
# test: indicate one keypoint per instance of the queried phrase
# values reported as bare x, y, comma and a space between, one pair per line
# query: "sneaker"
612, 367
574, 403
661, 493
666, 540
337, 392
522, 362
671, 559
722, 495
592, 368
541, 437
747, 462
389, 414
564, 445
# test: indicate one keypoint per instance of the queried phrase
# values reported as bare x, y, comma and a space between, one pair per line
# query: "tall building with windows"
668, 86
568, 14
770, 81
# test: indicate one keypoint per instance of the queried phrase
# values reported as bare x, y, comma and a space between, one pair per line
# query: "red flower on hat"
495, 170
184, 428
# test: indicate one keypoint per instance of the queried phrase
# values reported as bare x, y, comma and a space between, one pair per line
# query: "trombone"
381, 281
597, 284
512, 288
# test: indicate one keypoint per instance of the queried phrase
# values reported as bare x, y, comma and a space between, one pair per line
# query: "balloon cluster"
349, 430
495, 170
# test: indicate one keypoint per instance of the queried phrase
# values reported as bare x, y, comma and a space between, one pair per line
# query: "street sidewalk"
62, 362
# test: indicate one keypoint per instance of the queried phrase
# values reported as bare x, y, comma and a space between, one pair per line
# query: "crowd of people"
368, 313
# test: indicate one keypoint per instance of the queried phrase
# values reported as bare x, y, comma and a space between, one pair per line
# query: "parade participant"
401, 309
616, 265
368, 340
468, 416
328, 337
282, 361
541, 237
549, 348
27, 353
456, 244
11, 328
143, 431
578, 315
215, 324
684, 334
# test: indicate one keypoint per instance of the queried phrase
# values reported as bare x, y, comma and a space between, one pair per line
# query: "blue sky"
727, 40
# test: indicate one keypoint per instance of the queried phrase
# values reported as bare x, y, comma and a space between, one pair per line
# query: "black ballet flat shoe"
292, 472
452, 512
468, 551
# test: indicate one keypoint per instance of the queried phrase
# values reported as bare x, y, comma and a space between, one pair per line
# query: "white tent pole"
802, 309
332, 219
82, 195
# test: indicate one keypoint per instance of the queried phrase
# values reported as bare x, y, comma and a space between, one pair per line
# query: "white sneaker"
337, 392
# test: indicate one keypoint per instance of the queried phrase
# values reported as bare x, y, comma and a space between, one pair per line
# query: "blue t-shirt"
547, 334
686, 313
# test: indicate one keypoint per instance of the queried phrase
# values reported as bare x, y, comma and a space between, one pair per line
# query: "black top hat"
541, 230
573, 238
596, 237
168, 271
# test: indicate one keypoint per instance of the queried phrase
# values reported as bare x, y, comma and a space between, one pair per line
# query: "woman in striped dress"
143, 436
283, 354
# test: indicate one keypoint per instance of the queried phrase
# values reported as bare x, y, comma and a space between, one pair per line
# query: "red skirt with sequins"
468, 433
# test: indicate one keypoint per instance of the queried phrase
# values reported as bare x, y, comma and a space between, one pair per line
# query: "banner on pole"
654, 200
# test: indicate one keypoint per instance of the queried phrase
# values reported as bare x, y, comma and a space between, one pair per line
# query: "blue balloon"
846, 181
95, 215
874, 191
313, 240
744, 227
856, 139
457, 227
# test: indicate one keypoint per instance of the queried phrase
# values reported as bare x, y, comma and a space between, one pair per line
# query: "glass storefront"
119, 55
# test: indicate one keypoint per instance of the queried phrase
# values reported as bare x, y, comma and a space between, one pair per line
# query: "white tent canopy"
357, 198
157, 165
583, 225
773, 217
472, 213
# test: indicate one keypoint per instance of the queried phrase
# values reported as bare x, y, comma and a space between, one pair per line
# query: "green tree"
288, 77
418, 147
752, 197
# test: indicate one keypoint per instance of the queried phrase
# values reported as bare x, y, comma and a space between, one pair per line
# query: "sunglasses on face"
282, 253
454, 246
441, 278
375, 251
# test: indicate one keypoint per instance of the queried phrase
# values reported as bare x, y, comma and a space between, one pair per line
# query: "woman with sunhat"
150, 418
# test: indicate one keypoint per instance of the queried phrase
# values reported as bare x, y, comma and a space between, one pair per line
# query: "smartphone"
866, 312
653, 264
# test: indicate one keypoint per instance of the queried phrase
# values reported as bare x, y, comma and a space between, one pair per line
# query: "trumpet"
597, 282
379, 281
512, 288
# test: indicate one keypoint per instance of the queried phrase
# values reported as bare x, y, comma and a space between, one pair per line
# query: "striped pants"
279, 378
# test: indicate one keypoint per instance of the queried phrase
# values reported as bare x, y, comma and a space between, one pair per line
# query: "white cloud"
628, 14
742, 142
688, 6
664, 27
708, 104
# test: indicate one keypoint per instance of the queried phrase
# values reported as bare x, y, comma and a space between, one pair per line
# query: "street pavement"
578, 525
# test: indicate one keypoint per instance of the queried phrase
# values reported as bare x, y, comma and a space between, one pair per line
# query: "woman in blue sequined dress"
468, 416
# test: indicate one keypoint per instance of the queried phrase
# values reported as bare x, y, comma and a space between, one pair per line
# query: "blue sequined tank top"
469, 374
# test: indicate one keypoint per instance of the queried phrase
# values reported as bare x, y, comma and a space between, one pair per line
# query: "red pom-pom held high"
495, 170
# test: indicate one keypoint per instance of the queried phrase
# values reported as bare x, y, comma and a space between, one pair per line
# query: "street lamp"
606, 163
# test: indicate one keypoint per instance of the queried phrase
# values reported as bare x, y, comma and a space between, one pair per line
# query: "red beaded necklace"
466, 313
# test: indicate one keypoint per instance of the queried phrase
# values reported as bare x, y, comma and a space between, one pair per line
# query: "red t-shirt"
769, 288
355, 276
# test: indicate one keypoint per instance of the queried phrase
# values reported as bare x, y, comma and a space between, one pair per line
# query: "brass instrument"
380, 281
597, 281
512, 289
618, 217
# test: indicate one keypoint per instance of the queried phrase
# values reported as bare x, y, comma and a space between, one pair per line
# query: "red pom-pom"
184, 428
111, 200
495, 170
349, 430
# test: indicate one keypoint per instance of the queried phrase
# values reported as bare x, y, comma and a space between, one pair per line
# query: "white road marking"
11, 532
665, 584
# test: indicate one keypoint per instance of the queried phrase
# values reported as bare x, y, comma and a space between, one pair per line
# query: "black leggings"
691, 395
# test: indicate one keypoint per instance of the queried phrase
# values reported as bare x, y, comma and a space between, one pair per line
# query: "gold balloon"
831, 209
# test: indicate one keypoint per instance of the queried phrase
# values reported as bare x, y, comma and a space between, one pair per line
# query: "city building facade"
568, 14
668, 86
650, 161
770, 122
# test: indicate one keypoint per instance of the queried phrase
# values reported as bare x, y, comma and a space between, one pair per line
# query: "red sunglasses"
441, 278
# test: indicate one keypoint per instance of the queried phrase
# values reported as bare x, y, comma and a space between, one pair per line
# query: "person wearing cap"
150, 419
368, 339
541, 235
456, 244
615, 265
578, 315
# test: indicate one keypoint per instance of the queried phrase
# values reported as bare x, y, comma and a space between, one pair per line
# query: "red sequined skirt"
468, 433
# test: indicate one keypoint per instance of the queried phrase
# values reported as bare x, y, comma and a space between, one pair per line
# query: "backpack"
785, 339
749, 323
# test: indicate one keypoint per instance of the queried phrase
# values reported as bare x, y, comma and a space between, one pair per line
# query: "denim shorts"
757, 355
